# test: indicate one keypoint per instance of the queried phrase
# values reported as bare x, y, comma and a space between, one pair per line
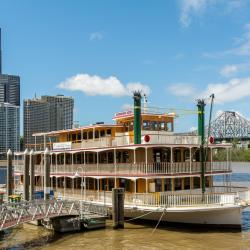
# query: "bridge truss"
230, 125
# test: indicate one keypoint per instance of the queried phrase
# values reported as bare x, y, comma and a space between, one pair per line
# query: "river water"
137, 236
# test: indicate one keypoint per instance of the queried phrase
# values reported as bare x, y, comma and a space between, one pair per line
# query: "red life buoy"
211, 139
146, 138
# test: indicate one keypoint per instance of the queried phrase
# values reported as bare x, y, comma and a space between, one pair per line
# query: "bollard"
118, 207
32, 175
46, 174
26, 175
10, 179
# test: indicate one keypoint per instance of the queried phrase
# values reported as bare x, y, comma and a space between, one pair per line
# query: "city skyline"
9, 111
45, 114
174, 51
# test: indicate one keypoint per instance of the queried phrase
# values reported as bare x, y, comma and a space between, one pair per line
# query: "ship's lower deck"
219, 216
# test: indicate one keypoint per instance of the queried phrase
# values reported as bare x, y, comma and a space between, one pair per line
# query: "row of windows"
89, 135
155, 125
151, 125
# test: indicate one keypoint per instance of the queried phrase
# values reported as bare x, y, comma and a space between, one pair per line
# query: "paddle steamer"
165, 175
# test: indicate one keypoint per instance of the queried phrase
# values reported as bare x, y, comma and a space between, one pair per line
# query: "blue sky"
98, 51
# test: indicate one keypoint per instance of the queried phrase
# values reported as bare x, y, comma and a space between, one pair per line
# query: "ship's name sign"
119, 114
62, 145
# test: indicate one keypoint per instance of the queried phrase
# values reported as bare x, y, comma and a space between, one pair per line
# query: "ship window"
187, 183
154, 125
196, 182
169, 126
96, 134
146, 125
90, 134
79, 136
110, 157
102, 133
162, 125
84, 136
125, 156
131, 126
108, 131
73, 137
178, 184
91, 158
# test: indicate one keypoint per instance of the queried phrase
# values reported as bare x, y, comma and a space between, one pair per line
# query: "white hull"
218, 216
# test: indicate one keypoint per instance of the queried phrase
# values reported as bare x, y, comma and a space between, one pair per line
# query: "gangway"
13, 214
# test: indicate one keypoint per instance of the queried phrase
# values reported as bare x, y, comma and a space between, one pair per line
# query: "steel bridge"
13, 214
230, 125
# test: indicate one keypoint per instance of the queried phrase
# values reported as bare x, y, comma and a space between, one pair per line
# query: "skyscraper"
48, 113
0, 51
10, 89
9, 110
9, 128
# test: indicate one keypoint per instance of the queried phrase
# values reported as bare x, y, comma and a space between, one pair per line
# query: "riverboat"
166, 176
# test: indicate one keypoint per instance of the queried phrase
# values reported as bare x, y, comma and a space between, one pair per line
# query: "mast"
137, 117
201, 132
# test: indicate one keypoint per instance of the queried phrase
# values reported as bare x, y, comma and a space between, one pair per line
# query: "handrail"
218, 195
119, 169
170, 199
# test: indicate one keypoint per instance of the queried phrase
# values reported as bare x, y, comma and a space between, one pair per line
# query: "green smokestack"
201, 132
137, 117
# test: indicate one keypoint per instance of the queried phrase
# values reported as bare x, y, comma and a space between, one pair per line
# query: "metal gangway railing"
13, 214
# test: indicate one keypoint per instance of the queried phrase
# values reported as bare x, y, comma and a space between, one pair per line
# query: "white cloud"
127, 107
233, 90
230, 70
135, 86
189, 7
96, 36
181, 89
95, 85
242, 48
244, 43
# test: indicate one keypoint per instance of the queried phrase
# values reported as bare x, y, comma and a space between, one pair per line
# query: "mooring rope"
138, 217
158, 221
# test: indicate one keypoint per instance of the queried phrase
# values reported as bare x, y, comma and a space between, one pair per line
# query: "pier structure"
13, 214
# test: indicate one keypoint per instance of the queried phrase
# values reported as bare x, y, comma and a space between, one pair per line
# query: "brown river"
136, 236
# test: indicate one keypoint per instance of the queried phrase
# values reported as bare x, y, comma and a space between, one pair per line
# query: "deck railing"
168, 199
221, 195
156, 137
137, 169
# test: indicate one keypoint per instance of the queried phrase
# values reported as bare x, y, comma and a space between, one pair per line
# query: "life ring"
146, 138
211, 139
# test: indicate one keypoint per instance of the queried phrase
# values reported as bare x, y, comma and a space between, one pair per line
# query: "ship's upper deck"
156, 128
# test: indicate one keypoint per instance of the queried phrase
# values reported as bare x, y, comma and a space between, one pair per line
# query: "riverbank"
237, 155
25, 236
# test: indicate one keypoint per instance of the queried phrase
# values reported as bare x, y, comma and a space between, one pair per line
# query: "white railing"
177, 200
168, 199
133, 169
124, 140
221, 195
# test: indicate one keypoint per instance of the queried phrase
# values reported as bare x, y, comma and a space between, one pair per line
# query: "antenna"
0, 52
145, 103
